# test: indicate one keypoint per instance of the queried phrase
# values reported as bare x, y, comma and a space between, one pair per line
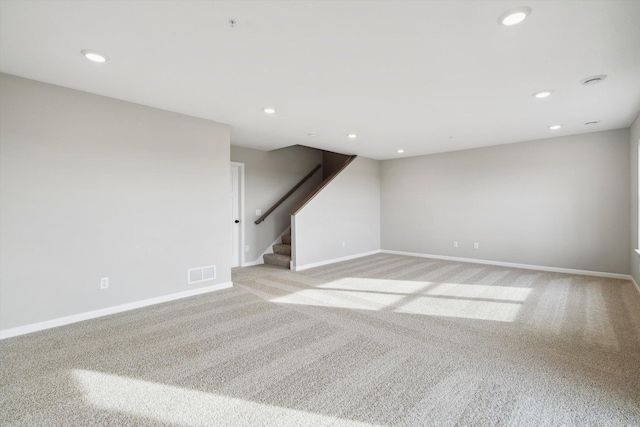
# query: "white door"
235, 215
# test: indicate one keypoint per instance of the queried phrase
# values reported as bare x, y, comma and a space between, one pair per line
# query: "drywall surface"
346, 211
269, 175
560, 202
94, 187
635, 177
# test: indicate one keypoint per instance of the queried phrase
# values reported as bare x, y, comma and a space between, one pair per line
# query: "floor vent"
201, 274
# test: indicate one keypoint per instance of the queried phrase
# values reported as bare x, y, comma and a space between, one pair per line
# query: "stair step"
277, 259
286, 239
282, 249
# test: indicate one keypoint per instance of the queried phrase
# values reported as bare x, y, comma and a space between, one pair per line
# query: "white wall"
560, 202
269, 175
346, 210
633, 151
91, 187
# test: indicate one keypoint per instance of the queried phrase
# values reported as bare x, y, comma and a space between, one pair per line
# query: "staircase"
281, 256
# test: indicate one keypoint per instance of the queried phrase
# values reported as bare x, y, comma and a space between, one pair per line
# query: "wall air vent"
593, 80
201, 274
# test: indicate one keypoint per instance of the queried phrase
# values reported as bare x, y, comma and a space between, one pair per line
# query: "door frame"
241, 245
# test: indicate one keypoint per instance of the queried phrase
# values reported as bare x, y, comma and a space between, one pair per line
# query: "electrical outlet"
258, 212
246, 248
476, 245
104, 282
344, 244
455, 243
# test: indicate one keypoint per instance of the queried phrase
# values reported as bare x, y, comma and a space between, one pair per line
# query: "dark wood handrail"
283, 198
322, 185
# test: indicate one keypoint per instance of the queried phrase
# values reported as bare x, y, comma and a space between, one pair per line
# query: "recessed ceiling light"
94, 56
514, 16
592, 122
400, 151
352, 136
555, 127
269, 110
593, 80
543, 94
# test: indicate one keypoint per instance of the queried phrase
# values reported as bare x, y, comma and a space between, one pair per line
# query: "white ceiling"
428, 76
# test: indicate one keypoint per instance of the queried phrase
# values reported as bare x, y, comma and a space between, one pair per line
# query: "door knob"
237, 221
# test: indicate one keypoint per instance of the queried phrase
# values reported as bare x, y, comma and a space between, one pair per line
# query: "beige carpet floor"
381, 340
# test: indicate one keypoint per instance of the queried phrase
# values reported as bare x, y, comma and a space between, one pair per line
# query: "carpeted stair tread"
286, 239
277, 259
282, 249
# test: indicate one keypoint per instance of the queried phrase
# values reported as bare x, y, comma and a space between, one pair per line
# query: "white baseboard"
334, 260
61, 321
515, 265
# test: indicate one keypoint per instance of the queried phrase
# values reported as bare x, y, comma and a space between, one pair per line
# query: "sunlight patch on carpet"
483, 302
406, 287
186, 407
